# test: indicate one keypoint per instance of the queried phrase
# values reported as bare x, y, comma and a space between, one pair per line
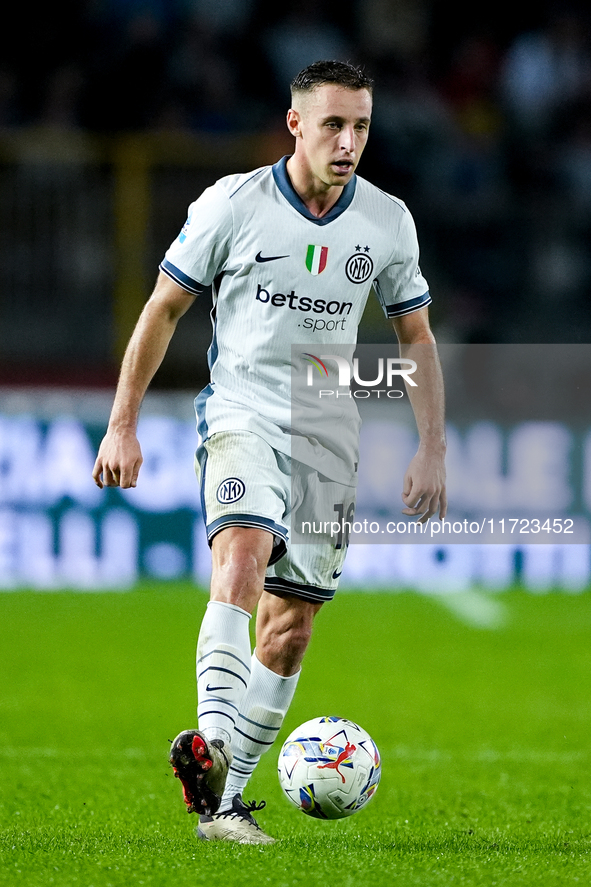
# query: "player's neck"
318, 197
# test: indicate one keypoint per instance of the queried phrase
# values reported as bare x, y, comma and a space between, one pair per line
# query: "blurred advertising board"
505, 463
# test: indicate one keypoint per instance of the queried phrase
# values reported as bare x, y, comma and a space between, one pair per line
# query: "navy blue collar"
283, 182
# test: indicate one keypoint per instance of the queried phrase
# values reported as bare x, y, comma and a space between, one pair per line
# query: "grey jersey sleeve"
401, 287
198, 254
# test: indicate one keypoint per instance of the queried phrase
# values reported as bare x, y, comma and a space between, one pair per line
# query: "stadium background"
115, 115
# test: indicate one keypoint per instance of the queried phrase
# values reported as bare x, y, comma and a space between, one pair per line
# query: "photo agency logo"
389, 372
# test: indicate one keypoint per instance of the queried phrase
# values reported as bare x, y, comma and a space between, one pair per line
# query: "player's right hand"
118, 462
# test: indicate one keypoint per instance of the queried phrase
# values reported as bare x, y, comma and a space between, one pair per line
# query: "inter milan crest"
230, 490
359, 267
316, 258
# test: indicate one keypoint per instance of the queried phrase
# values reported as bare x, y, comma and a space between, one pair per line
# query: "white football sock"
223, 668
261, 714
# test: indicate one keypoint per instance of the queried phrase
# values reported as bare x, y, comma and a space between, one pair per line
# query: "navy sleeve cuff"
183, 280
409, 306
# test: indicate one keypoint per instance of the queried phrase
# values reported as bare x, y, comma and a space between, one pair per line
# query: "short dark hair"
342, 73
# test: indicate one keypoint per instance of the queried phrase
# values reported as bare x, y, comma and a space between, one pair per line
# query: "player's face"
331, 126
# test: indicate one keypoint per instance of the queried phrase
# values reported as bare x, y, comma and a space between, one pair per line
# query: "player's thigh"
241, 545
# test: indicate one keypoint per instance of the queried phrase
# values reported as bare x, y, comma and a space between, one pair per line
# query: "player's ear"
294, 122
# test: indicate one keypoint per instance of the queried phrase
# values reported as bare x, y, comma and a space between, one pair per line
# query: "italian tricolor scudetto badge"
316, 258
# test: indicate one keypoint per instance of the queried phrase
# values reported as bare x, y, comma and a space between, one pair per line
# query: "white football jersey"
280, 276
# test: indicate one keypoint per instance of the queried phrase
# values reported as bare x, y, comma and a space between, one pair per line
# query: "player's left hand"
423, 490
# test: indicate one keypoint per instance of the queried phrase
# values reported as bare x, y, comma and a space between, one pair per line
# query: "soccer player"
292, 251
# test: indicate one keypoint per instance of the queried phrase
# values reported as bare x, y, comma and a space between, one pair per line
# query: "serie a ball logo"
359, 268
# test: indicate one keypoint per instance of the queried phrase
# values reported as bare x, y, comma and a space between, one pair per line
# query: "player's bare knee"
239, 567
237, 580
239, 562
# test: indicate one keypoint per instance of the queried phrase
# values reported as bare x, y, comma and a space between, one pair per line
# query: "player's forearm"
144, 354
427, 398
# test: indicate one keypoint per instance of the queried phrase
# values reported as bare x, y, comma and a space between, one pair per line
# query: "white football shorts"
247, 483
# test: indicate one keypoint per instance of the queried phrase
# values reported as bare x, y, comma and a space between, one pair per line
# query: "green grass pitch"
483, 721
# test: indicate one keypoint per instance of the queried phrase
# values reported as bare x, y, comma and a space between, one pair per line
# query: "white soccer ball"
329, 768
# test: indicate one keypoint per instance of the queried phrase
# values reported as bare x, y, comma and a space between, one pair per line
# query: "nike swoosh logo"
211, 689
336, 575
259, 258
